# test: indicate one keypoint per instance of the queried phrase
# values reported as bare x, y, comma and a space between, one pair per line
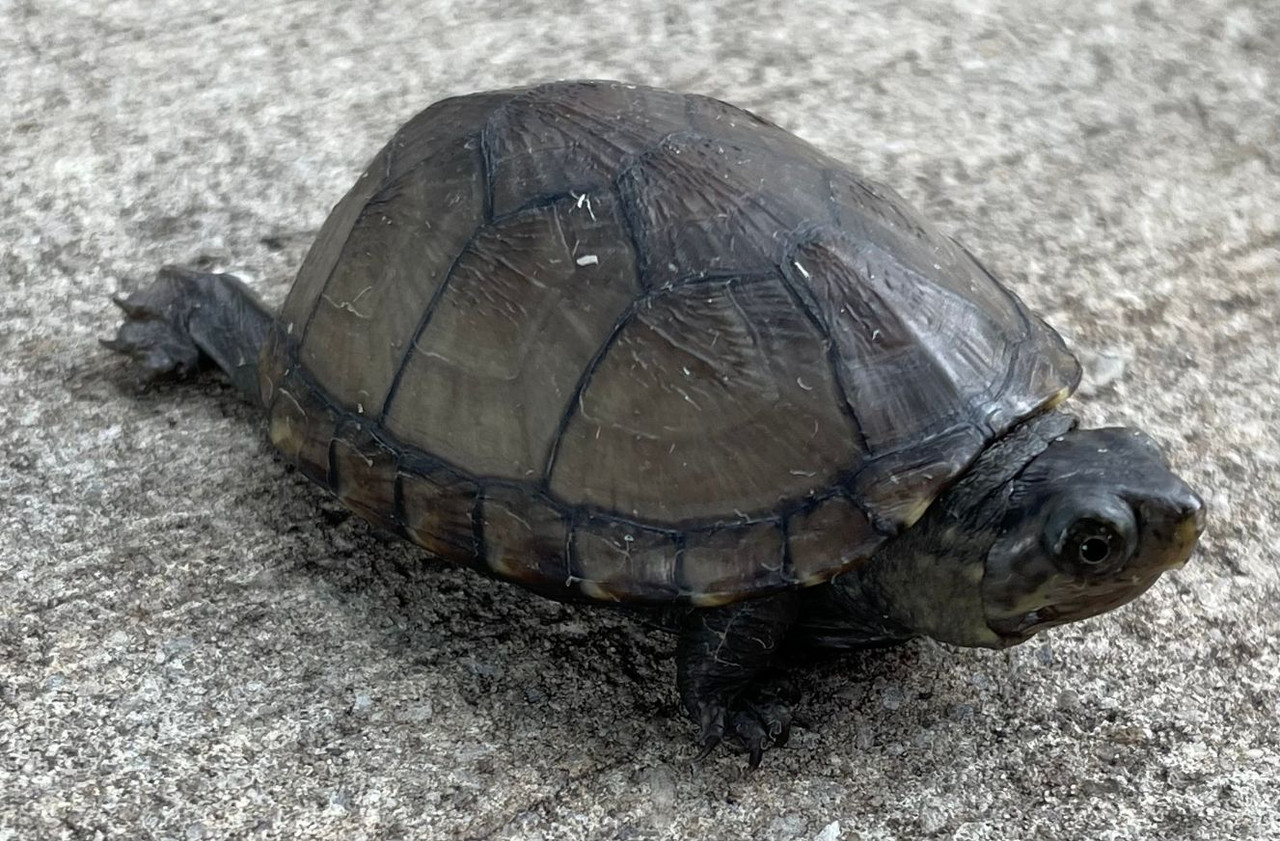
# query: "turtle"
641, 348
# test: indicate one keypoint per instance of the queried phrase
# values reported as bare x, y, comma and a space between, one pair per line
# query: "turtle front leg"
186, 318
728, 677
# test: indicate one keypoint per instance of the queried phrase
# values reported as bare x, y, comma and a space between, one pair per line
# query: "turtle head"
1090, 524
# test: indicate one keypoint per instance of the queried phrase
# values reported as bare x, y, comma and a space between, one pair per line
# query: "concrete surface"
196, 644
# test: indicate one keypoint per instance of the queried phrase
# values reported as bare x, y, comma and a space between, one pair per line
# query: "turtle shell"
619, 343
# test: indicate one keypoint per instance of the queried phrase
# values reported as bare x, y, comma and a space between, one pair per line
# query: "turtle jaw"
1067, 602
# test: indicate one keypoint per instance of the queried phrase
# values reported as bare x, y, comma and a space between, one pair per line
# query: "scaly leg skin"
726, 674
186, 318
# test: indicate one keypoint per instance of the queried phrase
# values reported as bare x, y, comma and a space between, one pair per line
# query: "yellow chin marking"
1050, 592
598, 592
1058, 398
712, 599
1036, 599
285, 423
911, 515
984, 637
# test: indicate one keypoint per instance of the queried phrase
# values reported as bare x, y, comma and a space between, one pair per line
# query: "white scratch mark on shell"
350, 306
582, 200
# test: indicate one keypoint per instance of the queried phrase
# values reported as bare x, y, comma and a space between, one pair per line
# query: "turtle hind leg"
728, 677
186, 319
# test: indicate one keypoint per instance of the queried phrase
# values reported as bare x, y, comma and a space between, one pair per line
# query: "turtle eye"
1092, 544
1091, 536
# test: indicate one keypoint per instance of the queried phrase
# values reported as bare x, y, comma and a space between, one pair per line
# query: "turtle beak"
1192, 519
1194, 509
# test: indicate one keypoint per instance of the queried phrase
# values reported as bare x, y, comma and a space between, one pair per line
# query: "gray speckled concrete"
194, 643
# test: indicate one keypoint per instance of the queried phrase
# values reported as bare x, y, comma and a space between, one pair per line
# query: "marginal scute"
525, 539
530, 300
364, 475
899, 487
832, 536
437, 508
625, 562
727, 564
301, 427
1043, 374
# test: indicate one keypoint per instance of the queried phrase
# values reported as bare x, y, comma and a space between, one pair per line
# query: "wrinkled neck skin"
928, 580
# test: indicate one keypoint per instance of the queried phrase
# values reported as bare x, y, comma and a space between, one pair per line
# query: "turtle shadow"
535, 663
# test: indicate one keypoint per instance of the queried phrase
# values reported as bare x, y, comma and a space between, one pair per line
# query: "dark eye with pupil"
1090, 535
1093, 544
1095, 550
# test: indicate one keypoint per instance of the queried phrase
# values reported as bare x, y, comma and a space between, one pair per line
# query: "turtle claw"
760, 726
754, 738
129, 308
755, 722
711, 719
707, 746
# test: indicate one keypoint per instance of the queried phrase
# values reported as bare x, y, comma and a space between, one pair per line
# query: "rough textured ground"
194, 643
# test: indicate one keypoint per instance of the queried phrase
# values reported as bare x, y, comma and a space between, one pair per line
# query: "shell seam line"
427, 313
801, 300
580, 387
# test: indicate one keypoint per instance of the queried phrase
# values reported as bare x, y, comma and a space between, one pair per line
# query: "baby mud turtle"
624, 345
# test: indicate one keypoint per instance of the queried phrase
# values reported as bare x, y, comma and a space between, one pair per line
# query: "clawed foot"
155, 332
754, 721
